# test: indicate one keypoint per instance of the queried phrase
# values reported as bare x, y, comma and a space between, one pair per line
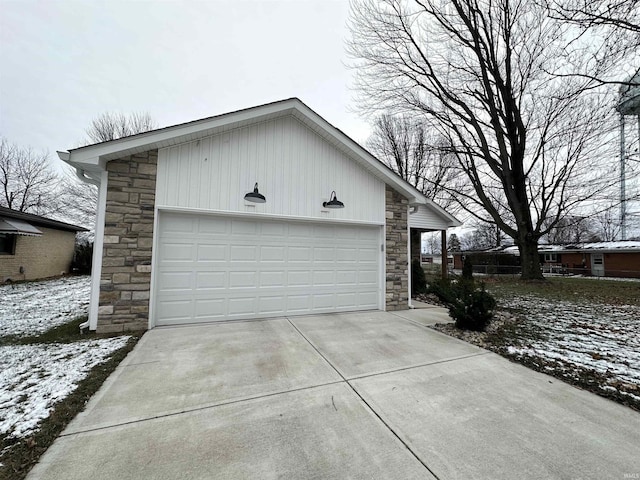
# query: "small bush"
474, 311
418, 280
82, 256
467, 269
444, 289
470, 307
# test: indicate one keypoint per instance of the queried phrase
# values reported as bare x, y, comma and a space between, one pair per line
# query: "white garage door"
212, 268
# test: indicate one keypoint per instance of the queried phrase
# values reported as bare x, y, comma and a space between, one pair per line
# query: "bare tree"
79, 199
415, 154
607, 225
484, 236
511, 89
572, 229
111, 126
27, 181
619, 14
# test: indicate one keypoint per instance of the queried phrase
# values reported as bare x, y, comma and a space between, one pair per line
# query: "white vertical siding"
427, 218
295, 168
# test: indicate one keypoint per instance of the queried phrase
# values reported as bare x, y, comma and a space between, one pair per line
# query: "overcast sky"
63, 63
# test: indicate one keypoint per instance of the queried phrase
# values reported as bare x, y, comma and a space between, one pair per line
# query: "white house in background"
181, 239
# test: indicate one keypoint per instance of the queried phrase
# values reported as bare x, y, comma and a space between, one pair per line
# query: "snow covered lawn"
34, 377
582, 331
34, 307
36, 374
581, 337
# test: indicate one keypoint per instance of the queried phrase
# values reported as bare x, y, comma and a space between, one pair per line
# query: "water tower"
629, 106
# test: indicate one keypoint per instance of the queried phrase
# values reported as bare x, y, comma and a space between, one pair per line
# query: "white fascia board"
100, 153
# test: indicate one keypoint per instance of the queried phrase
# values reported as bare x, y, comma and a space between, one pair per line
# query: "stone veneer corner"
125, 282
397, 254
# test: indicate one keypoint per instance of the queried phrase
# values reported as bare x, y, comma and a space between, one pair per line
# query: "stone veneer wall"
128, 240
397, 279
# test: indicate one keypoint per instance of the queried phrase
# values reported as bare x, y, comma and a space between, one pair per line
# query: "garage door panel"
242, 280
244, 227
212, 253
211, 280
206, 308
323, 301
323, 278
177, 252
271, 305
323, 254
299, 279
346, 299
228, 268
242, 305
299, 254
348, 277
181, 224
213, 226
175, 281
274, 229
244, 253
273, 279
272, 254
299, 303
174, 309
367, 277
368, 299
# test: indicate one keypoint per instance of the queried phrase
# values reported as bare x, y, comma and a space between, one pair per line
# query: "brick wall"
128, 239
41, 257
397, 279
623, 264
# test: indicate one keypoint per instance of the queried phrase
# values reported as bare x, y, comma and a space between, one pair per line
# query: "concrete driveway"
359, 395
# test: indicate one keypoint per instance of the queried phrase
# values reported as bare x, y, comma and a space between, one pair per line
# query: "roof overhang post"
445, 265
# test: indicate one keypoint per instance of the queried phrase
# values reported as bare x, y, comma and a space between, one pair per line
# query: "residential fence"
559, 270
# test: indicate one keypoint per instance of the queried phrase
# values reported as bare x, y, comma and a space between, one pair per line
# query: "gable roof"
22, 223
93, 158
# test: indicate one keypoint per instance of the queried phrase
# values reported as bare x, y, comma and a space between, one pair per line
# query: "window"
7, 244
550, 257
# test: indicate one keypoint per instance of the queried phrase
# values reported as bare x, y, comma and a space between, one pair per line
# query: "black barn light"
333, 202
255, 196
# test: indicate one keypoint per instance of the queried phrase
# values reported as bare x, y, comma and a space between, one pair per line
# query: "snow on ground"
33, 307
572, 336
34, 377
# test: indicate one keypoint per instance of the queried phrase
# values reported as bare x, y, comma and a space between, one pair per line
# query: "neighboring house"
34, 247
181, 236
601, 259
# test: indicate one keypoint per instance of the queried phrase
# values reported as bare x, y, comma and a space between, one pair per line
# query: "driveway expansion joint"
353, 389
199, 408
419, 365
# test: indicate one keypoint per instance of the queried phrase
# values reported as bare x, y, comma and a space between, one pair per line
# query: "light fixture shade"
333, 202
255, 196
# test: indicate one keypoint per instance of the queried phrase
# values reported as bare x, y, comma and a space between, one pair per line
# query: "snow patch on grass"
34, 377
581, 336
34, 307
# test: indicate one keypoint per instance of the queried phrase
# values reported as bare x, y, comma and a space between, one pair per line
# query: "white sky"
63, 63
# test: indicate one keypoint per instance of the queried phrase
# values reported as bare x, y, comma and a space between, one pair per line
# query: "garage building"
263, 212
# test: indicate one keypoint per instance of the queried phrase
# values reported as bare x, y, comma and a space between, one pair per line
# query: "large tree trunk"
530, 260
